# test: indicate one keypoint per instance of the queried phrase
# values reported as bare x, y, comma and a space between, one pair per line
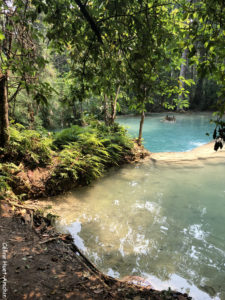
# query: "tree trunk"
183, 70
106, 110
198, 100
113, 104
74, 109
4, 117
141, 127
30, 116
198, 94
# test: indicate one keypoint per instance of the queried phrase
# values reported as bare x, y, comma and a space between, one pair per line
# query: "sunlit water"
188, 132
166, 224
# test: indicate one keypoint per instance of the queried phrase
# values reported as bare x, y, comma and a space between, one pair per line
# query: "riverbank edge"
42, 227
34, 183
33, 233
115, 289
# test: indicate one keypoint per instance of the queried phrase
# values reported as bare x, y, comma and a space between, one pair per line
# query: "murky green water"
164, 223
188, 132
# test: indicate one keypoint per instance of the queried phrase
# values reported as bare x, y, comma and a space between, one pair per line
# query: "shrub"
86, 152
67, 136
95, 137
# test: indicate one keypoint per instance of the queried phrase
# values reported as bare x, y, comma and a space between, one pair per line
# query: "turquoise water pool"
188, 132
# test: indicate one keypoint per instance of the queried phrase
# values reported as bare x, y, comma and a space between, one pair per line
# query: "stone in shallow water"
137, 280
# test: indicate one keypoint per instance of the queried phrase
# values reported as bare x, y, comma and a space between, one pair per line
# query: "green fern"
7, 172
84, 153
28, 146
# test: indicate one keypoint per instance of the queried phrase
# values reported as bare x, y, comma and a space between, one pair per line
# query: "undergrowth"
86, 152
83, 154
8, 171
27, 146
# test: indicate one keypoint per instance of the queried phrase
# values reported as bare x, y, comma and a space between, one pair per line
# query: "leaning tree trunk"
4, 118
141, 127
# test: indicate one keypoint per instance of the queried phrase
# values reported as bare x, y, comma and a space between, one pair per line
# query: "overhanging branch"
87, 16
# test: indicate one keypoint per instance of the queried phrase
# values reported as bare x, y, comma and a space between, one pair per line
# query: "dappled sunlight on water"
163, 223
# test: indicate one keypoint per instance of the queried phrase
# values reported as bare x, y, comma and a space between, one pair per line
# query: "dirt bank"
32, 183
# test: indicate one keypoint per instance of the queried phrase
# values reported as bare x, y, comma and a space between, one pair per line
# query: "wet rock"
137, 280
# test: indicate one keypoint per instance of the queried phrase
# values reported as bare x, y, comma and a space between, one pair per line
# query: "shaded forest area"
74, 65
64, 61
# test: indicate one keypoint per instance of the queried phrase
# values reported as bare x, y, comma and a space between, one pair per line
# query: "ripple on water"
166, 224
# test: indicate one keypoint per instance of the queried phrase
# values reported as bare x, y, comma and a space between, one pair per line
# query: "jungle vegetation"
72, 63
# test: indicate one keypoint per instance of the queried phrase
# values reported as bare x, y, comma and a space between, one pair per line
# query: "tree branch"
16, 92
90, 20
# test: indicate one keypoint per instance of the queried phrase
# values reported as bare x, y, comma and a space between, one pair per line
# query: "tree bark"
183, 70
4, 117
114, 103
141, 127
106, 110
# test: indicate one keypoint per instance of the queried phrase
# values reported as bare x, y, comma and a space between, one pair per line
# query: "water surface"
166, 224
188, 132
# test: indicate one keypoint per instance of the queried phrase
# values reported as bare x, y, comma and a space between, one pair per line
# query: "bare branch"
16, 92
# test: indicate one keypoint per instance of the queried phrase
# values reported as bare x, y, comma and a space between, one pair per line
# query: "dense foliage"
86, 152
75, 155
106, 55
27, 146
62, 61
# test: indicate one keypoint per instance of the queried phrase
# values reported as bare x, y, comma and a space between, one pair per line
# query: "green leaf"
2, 37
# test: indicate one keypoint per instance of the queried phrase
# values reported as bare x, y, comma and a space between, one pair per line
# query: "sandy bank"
197, 155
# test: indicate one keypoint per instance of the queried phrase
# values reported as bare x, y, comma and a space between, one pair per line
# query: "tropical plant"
27, 146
